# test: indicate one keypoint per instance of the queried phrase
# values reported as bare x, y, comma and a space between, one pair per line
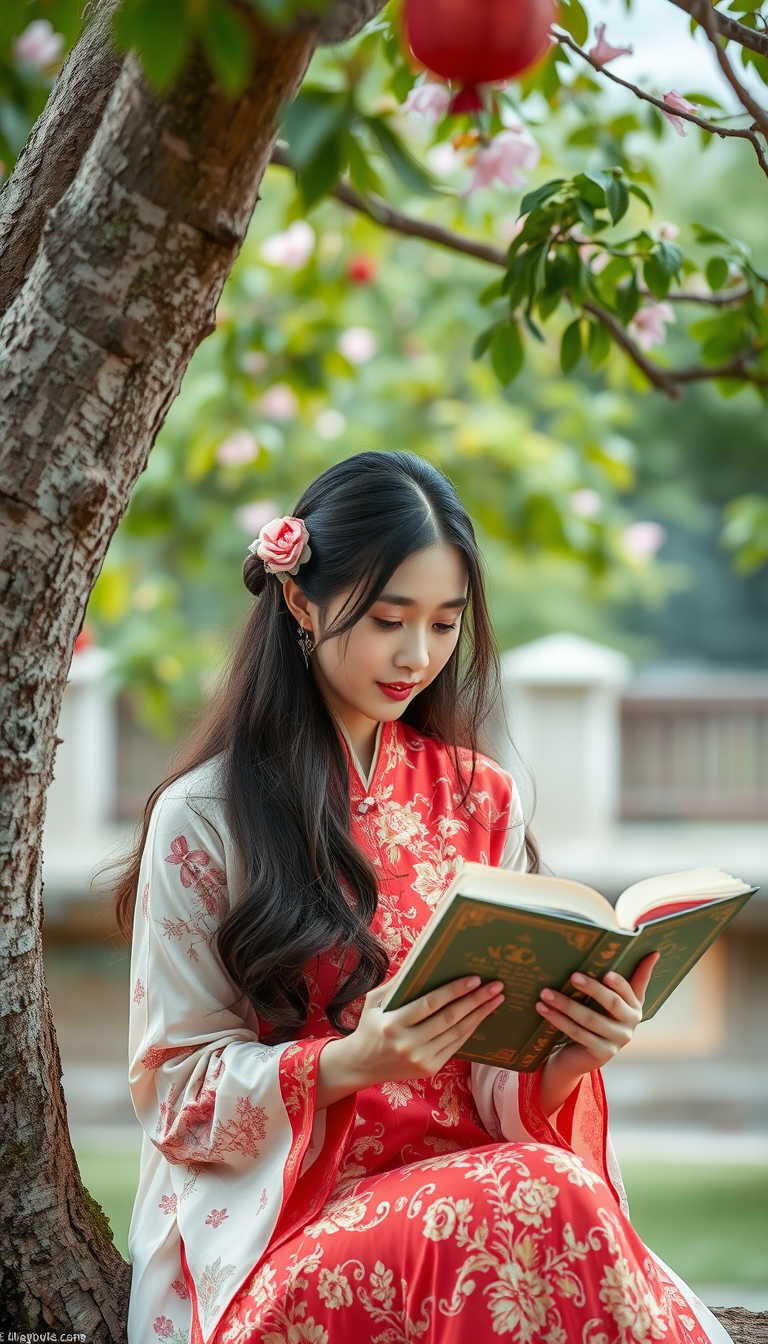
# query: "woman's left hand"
596, 1037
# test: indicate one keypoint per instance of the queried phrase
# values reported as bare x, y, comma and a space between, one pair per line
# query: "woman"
314, 1169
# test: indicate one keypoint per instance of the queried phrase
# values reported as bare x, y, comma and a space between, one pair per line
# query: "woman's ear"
298, 604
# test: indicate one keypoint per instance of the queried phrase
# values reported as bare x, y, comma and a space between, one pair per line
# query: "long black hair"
305, 887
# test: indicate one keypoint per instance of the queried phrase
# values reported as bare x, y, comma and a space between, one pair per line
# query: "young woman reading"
314, 1169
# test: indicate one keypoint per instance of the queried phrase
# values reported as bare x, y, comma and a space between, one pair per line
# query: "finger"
597, 1045
455, 1014
454, 1037
609, 994
598, 1023
448, 996
642, 975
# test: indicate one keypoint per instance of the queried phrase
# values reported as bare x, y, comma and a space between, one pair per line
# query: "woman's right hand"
410, 1042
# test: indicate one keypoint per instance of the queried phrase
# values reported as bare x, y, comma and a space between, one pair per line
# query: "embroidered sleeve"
214, 1100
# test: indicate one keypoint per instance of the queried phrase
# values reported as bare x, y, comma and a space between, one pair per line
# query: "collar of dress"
365, 780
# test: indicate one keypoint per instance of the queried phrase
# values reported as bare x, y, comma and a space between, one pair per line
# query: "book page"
534, 891
705, 884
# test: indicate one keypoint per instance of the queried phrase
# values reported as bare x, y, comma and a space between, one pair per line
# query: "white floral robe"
236, 1157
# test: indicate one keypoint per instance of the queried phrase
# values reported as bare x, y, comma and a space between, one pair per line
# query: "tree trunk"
744, 1327
116, 239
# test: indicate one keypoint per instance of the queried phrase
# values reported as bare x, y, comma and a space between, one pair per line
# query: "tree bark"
744, 1327
121, 229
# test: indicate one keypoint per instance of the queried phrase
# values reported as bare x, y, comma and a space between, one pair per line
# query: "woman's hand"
594, 1037
410, 1042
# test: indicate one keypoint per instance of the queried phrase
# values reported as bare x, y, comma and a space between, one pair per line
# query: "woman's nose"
414, 652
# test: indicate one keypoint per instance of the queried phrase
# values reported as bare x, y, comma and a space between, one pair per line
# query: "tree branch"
714, 128
711, 300
667, 380
703, 13
383, 213
728, 27
664, 379
69, 121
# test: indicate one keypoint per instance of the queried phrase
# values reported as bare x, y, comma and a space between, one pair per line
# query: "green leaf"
491, 292
547, 303
228, 46
571, 346
670, 257
598, 344
507, 352
411, 173
716, 272
573, 19
586, 213
708, 236
161, 34
627, 299
591, 189
533, 199
313, 117
403, 81
316, 179
640, 194
362, 173
656, 278
617, 199
483, 341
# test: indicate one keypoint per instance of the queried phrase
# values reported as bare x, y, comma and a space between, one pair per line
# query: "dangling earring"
306, 644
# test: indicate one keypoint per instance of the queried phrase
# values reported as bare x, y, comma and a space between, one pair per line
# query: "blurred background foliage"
602, 506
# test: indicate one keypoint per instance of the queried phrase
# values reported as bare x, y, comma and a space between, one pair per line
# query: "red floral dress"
410, 1211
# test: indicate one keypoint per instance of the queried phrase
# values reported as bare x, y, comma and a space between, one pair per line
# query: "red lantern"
473, 42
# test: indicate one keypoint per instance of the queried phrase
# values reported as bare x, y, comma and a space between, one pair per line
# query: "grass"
111, 1175
710, 1223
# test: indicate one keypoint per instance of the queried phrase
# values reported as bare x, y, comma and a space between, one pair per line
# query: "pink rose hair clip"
283, 545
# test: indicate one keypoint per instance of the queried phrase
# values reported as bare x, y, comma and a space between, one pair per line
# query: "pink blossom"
669, 231
502, 157
291, 249
187, 860
330, 424
647, 326
429, 100
282, 545
676, 100
237, 450
216, 1217
168, 1203
163, 1327
39, 45
252, 517
358, 344
585, 502
603, 52
642, 540
254, 361
279, 402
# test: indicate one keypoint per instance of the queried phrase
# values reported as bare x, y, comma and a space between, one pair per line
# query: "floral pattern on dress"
321, 1206
517, 1255
210, 900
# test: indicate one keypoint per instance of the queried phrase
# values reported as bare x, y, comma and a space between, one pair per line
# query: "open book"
534, 931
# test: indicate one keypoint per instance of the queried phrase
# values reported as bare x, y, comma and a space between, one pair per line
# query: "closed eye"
393, 625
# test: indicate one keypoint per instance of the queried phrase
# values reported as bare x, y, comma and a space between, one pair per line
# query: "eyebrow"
395, 601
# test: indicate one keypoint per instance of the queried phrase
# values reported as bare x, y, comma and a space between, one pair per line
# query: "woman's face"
399, 645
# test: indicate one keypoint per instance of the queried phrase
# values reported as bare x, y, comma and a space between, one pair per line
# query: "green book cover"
530, 949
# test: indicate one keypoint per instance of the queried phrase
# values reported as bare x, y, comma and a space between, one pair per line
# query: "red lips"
397, 690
